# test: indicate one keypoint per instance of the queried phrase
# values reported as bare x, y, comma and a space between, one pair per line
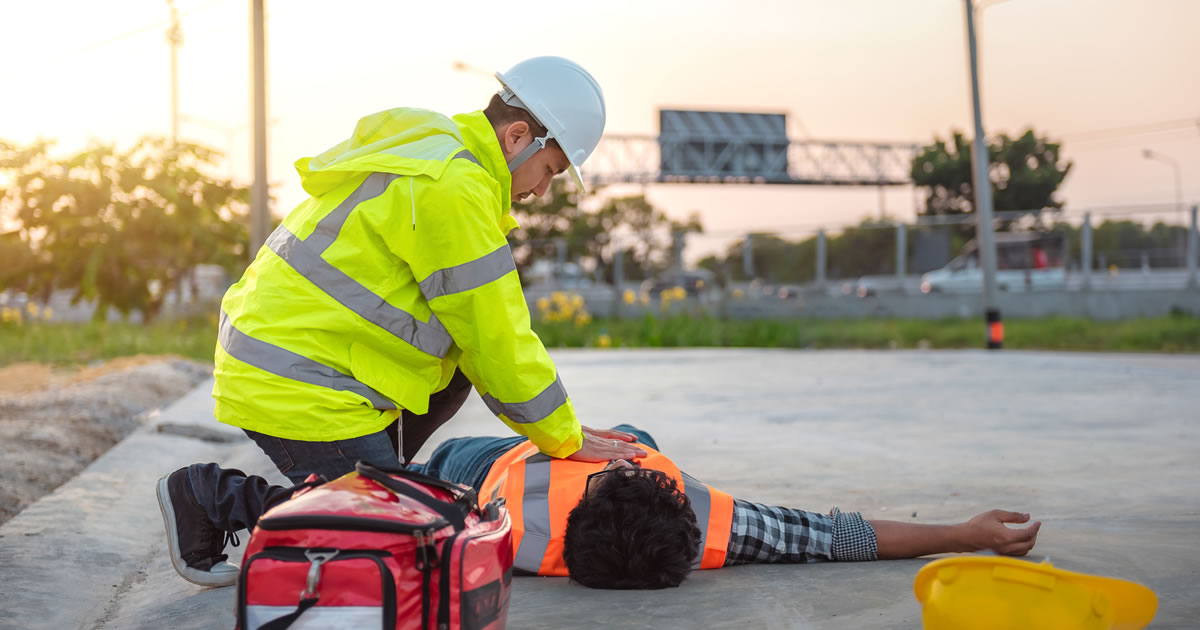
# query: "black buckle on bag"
426, 551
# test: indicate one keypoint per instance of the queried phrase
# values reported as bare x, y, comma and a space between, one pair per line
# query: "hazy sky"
851, 69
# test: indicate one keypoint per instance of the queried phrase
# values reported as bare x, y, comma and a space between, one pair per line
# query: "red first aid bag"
378, 548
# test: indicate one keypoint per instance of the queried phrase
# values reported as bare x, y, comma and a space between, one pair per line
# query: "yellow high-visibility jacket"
392, 274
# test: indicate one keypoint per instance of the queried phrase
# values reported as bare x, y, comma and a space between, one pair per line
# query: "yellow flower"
604, 341
738, 294
582, 319
680, 293
558, 297
33, 309
630, 297
577, 301
543, 304
47, 313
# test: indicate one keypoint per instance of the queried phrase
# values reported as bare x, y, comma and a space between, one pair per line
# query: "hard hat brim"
577, 177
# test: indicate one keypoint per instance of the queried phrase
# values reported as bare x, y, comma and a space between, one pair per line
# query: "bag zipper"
353, 523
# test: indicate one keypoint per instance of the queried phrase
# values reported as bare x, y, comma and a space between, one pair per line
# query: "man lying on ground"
619, 524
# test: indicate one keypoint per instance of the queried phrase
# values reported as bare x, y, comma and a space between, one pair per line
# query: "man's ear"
512, 135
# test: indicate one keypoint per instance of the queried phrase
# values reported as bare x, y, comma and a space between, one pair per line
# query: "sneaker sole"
195, 576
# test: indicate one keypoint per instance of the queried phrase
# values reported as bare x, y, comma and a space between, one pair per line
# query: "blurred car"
1025, 261
693, 281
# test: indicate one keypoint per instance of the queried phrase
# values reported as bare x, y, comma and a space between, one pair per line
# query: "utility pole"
174, 40
260, 217
983, 198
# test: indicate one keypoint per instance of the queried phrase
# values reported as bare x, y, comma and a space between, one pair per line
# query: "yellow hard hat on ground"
997, 593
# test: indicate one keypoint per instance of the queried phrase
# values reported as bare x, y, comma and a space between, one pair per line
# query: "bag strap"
462, 494
286, 621
443, 616
455, 513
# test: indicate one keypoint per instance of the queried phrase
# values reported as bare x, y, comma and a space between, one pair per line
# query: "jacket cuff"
567, 447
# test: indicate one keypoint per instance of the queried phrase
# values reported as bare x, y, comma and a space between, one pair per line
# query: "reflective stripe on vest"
533, 410
541, 492
469, 275
280, 362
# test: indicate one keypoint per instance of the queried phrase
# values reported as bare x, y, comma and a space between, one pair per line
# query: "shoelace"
231, 539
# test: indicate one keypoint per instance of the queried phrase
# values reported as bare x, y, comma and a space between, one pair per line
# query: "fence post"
1192, 251
820, 258
1085, 262
901, 254
748, 256
618, 282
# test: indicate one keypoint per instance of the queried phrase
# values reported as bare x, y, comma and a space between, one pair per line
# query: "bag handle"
462, 494
286, 621
456, 517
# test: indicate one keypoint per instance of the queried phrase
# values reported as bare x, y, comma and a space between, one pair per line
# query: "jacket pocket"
406, 388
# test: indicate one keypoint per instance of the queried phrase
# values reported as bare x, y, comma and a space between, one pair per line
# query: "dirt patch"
54, 422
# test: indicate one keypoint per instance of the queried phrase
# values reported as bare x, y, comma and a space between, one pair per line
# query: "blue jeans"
468, 460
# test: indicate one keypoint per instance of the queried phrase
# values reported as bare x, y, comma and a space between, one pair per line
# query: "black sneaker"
194, 542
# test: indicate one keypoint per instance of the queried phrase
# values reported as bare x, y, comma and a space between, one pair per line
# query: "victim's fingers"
1010, 517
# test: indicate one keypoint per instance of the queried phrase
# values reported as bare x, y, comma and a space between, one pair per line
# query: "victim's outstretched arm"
988, 531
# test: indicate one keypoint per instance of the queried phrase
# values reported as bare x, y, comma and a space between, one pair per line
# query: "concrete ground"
1104, 449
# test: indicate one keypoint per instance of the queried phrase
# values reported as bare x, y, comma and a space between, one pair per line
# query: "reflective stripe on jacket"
392, 274
541, 492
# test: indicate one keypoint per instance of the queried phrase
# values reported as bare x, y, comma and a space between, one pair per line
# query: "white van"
1025, 261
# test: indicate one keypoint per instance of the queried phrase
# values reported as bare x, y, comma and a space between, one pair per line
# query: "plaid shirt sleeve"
767, 533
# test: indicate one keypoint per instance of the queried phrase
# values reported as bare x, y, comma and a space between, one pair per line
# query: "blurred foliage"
1025, 173
123, 228
31, 339
1122, 243
644, 231
865, 249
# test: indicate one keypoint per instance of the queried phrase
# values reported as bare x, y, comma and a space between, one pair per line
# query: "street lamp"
983, 196
1152, 155
463, 66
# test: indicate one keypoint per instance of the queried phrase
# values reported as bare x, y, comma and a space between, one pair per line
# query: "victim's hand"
988, 531
602, 445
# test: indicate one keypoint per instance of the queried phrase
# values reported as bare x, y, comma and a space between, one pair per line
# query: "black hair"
635, 531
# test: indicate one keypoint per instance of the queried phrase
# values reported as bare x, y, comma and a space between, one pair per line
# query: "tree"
632, 221
1025, 173
120, 228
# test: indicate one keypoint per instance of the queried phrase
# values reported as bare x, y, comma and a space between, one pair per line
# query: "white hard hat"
565, 99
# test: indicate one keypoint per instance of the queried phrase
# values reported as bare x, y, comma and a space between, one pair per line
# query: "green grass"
1162, 334
72, 344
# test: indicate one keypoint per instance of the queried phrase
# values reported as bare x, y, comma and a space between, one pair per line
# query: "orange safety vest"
541, 491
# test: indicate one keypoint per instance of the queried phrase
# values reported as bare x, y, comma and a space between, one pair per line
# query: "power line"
1177, 124
138, 31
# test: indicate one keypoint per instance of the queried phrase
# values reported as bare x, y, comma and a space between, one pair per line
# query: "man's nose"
542, 186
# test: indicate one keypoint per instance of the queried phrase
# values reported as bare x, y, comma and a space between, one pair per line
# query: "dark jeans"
234, 500
298, 459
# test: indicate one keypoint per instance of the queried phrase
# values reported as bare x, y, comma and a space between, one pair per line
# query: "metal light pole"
260, 217
1153, 155
983, 198
174, 39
